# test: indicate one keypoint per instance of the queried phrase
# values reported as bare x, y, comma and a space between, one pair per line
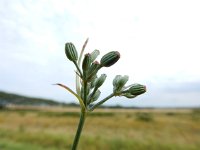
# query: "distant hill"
16, 99
10, 98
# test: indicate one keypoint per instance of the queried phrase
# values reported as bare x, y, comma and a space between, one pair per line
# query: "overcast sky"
159, 42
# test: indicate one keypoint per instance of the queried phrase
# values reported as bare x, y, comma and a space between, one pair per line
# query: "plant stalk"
79, 70
85, 93
79, 129
101, 102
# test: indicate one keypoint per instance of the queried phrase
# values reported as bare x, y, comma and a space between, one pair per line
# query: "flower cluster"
89, 82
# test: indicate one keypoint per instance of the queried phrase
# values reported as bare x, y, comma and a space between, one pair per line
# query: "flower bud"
93, 70
70, 51
92, 81
86, 63
95, 96
137, 89
119, 82
99, 81
94, 66
116, 80
94, 54
87, 91
122, 81
110, 58
128, 95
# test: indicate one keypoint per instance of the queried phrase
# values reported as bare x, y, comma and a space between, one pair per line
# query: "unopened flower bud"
94, 66
86, 63
92, 81
100, 81
122, 82
70, 51
93, 69
116, 80
87, 90
95, 96
128, 95
119, 82
137, 89
110, 58
94, 55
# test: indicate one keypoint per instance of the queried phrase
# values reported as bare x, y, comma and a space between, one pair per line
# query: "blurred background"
158, 42
159, 45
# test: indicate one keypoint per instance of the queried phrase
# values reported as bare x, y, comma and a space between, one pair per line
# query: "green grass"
107, 130
6, 144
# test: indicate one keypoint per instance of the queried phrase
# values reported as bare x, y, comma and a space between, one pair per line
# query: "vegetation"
16, 99
144, 116
107, 129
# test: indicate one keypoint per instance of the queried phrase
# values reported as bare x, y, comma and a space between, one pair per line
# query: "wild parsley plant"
88, 82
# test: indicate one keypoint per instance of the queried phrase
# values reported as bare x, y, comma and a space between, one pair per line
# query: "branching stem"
79, 70
101, 102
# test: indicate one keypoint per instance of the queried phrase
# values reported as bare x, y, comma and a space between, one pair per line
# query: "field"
105, 129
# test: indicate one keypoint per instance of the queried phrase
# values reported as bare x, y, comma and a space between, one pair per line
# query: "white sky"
158, 41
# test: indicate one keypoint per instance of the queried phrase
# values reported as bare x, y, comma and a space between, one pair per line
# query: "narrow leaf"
78, 88
72, 92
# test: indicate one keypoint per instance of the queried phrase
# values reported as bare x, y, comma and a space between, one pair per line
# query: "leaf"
78, 89
72, 92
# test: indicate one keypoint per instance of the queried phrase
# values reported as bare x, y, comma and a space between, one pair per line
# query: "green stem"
101, 102
79, 129
85, 93
92, 94
79, 70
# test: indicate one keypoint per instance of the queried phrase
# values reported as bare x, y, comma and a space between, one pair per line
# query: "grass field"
105, 129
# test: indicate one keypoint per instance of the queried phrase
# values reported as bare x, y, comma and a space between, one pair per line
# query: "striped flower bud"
94, 55
99, 81
110, 58
95, 65
93, 70
70, 51
92, 81
137, 89
86, 63
128, 95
